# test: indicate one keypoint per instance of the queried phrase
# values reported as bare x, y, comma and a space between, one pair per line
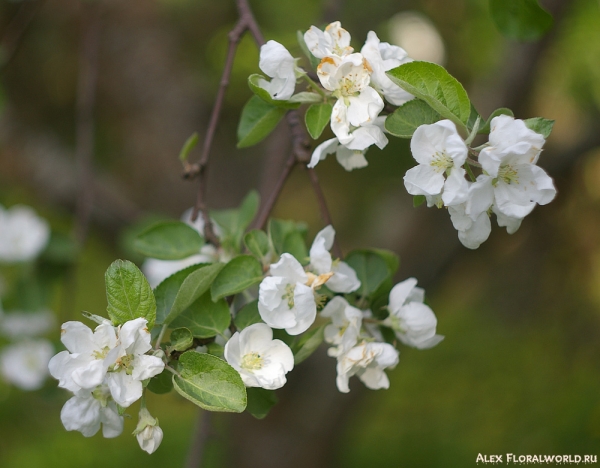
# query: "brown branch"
86, 97
16, 29
325, 215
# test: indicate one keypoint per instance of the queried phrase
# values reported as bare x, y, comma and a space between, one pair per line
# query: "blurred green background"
519, 370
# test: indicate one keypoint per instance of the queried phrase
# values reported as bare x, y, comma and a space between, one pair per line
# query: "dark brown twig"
16, 29
314, 181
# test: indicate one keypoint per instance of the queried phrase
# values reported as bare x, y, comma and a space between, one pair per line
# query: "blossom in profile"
260, 360
276, 61
23, 234
148, 433
344, 329
334, 40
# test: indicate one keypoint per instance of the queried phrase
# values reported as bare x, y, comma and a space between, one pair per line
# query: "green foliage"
258, 119
418, 200
407, 118
179, 291
307, 344
540, 125
522, 20
288, 236
434, 85
210, 383
305, 97
128, 294
486, 127
375, 269
169, 240
317, 117
257, 243
254, 83
233, 222
239, 274
181, 339
260, 401
247, 315
161, 383
188, 146
205, 318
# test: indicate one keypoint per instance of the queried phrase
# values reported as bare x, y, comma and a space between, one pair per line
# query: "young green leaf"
305, 97
260, 401
210, 383
259, 118
205, 318
257, 243
240, 273
288, 236
434, 85
169, 240
522, 20
233, 222
540, 125
181, 339
317, 117
128, 294
188, 146
166, 292
407, 118
161, 384
193, 286
372, 270
254, 84
307, 344
247, 315
418, 200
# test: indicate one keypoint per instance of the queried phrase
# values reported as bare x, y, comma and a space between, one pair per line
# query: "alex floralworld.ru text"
518, 459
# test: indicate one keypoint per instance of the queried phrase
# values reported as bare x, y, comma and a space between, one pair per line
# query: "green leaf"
473, 119
210, 383
314, 61
205, 318
248, 209
485, 128
254, 83
257, 243
247, 315
192, 287
215, 349
316, 118
540, 125
181, 339
161, 383
260, 401
188, 146
307, 344
305, 97
391, 259
233, 222
418, 200
128, 294
259, 118
169, 240
239, 274
288, 236
522, 20
407, 118
372, 270
166, 292
434, 85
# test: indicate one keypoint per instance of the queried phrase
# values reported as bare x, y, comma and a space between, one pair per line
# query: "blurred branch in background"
15, 30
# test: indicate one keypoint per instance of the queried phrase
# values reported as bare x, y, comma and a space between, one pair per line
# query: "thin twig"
15, 30
199, 438
86, 97
325, 215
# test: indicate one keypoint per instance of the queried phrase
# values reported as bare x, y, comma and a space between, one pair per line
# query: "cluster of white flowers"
356, 80
103, 369
510, 184
358, 344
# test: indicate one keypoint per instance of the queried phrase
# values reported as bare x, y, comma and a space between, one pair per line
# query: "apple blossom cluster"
510, 183
104, 369
353, 81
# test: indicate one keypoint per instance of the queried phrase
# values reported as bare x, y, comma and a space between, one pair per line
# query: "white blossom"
88, 410
23, 234
280, 66
335, 40
342, 278
84, 364
413, 322
26, 324
129, 365
260, 360
439, 150
148, 433
344, 329
382, 57
284, 299
25, 363
367, 361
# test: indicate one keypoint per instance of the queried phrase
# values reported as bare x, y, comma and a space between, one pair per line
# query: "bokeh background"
519, 370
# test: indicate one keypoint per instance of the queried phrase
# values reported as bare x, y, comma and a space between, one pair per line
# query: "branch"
314, 180
16, 29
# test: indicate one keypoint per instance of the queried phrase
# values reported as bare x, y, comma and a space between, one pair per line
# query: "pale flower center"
252, 361
508, 174
289, 295
101, 354
441, 161
124, 363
